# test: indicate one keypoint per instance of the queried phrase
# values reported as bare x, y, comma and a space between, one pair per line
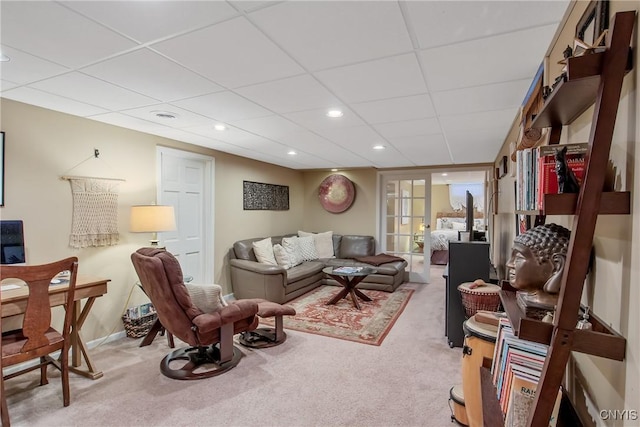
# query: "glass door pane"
407, 200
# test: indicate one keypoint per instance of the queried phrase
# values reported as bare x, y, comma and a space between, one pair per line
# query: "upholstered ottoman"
267, 337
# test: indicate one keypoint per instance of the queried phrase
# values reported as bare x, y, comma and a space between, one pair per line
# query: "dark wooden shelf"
578, 92
601, 341
491, 412
611, 203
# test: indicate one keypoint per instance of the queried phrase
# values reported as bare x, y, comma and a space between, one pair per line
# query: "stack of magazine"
347, 270
516, 369
140, 311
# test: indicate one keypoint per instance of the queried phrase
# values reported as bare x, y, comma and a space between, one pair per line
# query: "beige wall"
360, 218
439, 202
612, 287
42, 145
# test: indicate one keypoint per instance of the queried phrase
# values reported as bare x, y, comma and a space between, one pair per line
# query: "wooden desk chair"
36, 338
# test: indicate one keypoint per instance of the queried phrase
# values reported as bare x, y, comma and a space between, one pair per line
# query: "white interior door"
405, 215
186, 183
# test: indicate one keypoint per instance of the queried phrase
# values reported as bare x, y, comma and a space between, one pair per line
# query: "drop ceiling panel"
271, 70
317, 119
51, 101
270, 127
354, 138
481, 98
152, 75
424, 149
500, 119
129, 122
290, 94
489, 60
389, 157
384, 78
232, 54
145, 21
90, 90
320, 147
224, 106
53, 32
396, 109
24, 68
299, 26
428, 126
438, 23
183, 118
475, 147
249, 5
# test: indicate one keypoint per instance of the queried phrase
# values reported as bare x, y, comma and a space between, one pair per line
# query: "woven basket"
140, 326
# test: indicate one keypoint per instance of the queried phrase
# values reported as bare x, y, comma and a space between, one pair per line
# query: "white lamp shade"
152, 219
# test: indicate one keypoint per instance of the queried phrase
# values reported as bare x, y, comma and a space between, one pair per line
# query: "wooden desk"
14, 302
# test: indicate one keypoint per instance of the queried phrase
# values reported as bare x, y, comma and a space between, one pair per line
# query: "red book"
547, 178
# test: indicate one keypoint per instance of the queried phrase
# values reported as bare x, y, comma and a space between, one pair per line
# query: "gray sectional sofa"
251, 279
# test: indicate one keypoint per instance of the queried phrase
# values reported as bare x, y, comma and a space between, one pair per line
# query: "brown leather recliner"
210, 335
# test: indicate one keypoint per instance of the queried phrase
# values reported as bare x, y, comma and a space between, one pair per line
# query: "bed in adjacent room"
448, 224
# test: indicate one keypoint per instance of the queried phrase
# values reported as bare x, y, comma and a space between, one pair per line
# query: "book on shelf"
547, 177
523, 391
536, 172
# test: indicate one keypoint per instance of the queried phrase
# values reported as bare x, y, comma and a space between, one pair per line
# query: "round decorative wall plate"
336, 193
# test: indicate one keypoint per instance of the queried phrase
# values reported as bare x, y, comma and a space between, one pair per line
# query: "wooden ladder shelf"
611, 66
592, 78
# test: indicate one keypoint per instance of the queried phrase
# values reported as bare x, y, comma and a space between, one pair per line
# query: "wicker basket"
140, 326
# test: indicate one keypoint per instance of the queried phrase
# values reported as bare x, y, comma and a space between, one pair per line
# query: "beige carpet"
310, 380
368, 325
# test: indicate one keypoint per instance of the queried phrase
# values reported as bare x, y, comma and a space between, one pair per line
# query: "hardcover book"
547, 177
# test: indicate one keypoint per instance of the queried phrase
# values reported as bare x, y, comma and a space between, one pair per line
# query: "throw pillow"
208, 298
460, 226
323, 242
307, 248
264, 251
282, 257
292, 248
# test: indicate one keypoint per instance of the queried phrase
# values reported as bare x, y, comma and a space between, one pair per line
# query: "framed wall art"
261, 196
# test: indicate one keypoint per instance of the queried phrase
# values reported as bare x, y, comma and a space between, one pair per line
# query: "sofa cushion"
292, 248
263, 250
307, 248
323, 242
352, 246
306, 269
282, 257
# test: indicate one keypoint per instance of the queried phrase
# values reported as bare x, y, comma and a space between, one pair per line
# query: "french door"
404, 226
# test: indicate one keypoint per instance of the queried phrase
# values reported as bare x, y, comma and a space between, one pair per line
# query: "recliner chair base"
200, 362
262, 337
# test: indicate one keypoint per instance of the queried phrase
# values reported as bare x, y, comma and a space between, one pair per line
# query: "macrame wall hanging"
95, 210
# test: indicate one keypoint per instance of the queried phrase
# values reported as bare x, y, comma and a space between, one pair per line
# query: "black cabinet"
468, 261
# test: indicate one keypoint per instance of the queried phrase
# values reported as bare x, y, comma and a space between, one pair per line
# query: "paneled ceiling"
433, 82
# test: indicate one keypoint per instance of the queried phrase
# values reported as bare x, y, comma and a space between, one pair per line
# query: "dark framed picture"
593, 22
1, 168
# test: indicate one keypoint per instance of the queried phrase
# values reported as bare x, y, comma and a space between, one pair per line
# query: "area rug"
370, 325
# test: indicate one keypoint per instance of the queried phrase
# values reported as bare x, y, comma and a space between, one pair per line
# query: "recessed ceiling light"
292, 153
220, 127
335, 113
445, 174
4, 58
334, 170
379, 147
164, 114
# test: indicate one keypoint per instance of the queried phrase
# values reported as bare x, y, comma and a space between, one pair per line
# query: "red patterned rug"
370, 325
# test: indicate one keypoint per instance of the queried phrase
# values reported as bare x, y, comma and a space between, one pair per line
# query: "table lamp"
152, 219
